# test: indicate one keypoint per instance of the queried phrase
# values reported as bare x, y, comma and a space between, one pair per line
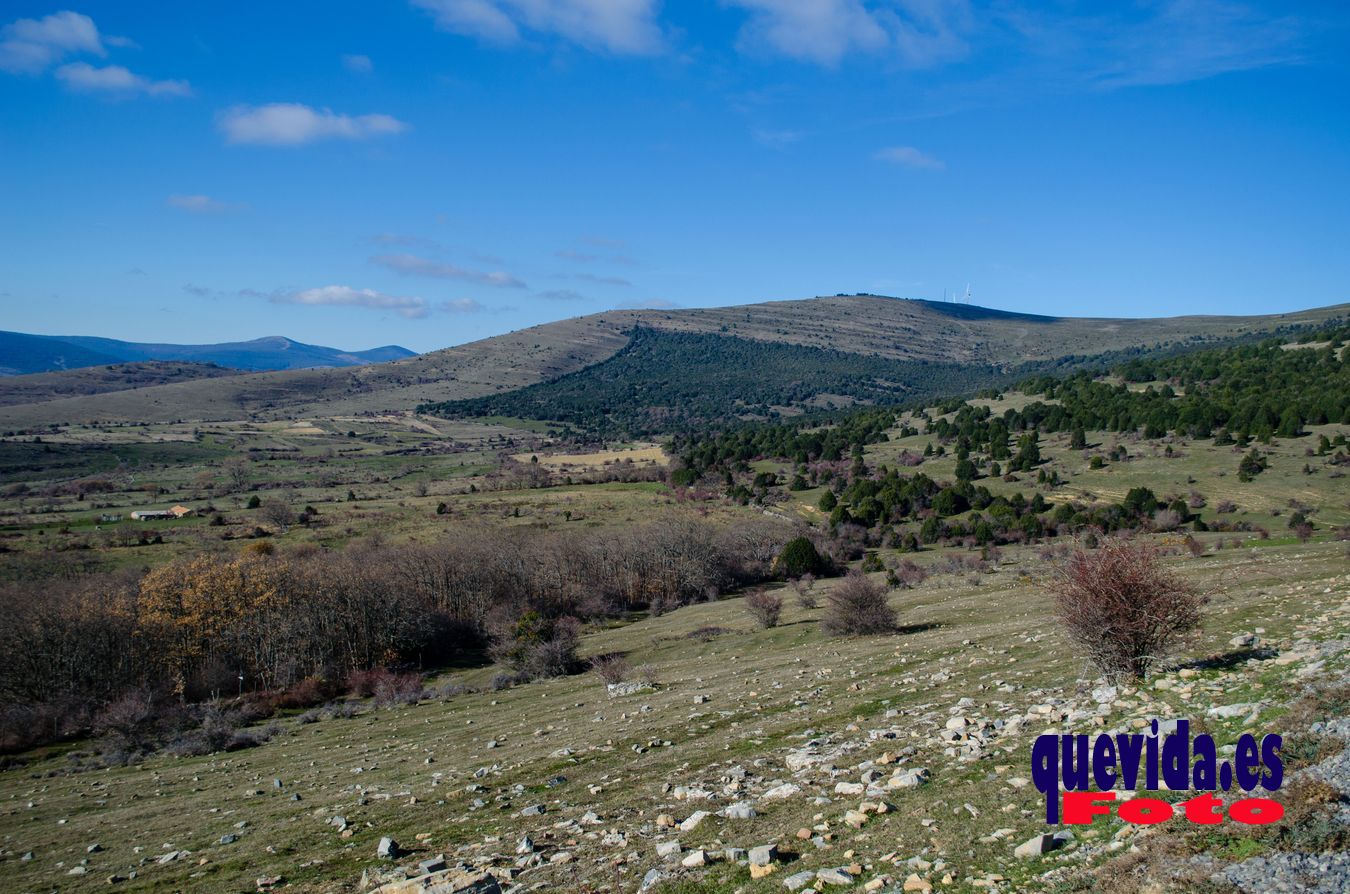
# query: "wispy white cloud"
616, 26
413, 265
295, 124
811, 30
909, 157
1187, 40
30, 46
114, 80
915, 33
199, 204
357, 63
411, 307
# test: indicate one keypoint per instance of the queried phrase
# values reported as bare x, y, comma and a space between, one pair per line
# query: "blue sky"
435, 171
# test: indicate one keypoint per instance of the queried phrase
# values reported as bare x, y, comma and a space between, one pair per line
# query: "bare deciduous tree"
765, 607
278, 512
857, 606
1122, 608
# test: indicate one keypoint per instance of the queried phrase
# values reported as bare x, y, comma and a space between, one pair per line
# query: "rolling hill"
875, 327
88, 380
21, 353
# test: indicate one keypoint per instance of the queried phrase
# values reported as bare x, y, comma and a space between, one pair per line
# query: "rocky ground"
858, 777
761, 761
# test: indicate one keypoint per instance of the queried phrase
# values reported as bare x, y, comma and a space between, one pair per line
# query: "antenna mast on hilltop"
966, 298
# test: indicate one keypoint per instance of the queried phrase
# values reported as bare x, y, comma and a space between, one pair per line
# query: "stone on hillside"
526, 845
1225, 712
650, 880
692, 823
761, 871
628, 687
449, 881
1036, 846
740, 810
1105, 694
695, 859
912, 778
849, 788
778, 793
388, 849
855, 819
668, 848
1245, 641
534, 810
834, 876
916, 883
799, 880
764, 854
435, 864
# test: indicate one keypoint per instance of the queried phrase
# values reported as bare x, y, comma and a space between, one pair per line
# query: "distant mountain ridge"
873, 327
22, 353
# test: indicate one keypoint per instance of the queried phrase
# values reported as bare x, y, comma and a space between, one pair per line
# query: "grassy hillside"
47, 386
737, 711
483, 367
888, 328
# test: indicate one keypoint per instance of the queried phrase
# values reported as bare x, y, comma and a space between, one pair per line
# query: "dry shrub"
909, 574
765, 607
1122, 608
1310, 822
399, 689
857, 606
362, 683
610, 668
1166, 520
308, 693
536, 646
804, 587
